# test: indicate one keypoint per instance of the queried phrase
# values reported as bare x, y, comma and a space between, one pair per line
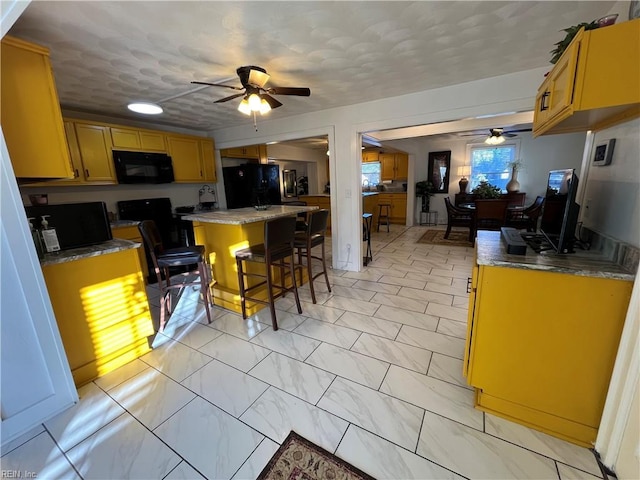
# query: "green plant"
516, 164
485, 190
424, 189
571, 32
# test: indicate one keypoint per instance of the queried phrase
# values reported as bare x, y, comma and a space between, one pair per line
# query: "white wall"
611, 204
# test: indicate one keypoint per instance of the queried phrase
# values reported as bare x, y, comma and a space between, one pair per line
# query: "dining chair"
491, 214
458, 217
165, 258
528, 217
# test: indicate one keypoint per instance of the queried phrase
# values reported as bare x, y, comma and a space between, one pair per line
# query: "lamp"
252, 103
463, 171
494, 139
244, 107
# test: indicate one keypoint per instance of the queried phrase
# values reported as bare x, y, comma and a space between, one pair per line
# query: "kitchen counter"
242, 216
112, 246
491, 251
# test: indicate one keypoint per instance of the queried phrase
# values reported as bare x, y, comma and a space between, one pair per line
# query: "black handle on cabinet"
86, 172
543, 101
468, 284
77, 174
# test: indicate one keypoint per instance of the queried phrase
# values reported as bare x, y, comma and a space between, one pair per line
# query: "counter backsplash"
623, 254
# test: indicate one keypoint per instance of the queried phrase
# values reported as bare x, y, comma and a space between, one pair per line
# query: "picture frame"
440, 170
603, 152
289, 183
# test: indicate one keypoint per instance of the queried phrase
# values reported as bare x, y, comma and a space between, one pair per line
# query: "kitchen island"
100, 304
223, 232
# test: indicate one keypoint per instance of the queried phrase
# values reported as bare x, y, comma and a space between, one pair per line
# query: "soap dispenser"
37, 241
49, 236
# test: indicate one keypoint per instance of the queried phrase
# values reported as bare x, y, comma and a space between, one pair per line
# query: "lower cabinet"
132, 233
541, 347
101, 308
398, 202
320, 201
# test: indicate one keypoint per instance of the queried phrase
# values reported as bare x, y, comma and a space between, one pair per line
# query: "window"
491, 163
370, 174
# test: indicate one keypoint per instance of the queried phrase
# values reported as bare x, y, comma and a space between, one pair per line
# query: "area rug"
456, 239
299, 459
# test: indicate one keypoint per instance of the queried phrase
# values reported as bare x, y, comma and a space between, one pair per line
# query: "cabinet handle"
468, 284
86, 172
543, 101
77, 174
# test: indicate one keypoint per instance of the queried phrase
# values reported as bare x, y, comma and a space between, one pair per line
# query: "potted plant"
424, 189
485, 191
562, 45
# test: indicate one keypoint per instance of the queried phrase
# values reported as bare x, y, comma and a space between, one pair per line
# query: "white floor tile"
376, 287
176, 360
235, 352
454, 313
123, 449
119, 375
352, 305
570, 473
476, 455
286, 320
414, 319
94, 410
224, 386
233, 324
290, 344
426, 296
151, 397
214, 442
542, 443
448, 369
434, 395
40, 457
430, 279
352, 365
402, 282
452, 328
396, 353
366, 323
257, 461
193, 335
388, 417
436, 342
292, 376
184, 472
276, 413
384, 460
326, 332
320, 312
400, 302
349, 292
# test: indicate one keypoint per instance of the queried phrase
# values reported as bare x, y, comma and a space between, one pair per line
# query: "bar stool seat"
163, 259
313, 237
277, 247
384, 214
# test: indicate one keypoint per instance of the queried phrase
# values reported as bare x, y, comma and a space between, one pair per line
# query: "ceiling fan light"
494, 140
264, 107
244, 107
146, 108
254, 102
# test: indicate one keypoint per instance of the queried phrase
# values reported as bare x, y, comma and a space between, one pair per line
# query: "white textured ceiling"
107, 54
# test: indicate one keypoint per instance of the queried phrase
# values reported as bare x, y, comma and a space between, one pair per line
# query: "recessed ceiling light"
146, 108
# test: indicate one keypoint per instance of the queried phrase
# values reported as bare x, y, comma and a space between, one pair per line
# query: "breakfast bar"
223, 232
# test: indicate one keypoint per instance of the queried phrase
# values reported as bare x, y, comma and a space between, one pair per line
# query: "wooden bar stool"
383, 215
367, 220
277, 247
313, 237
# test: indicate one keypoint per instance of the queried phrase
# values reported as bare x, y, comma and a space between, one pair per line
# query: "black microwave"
142, 167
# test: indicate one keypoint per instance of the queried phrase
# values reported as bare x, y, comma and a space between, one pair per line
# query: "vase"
513, 185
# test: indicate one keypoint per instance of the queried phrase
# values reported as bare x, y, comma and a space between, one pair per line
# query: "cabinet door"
30, 110
387, 166
208, 160
399, 209
402, 166
562, 80
133, 234
152, 141
370, 157
125, 138
95, 151
252, 151
471, 289
185, 153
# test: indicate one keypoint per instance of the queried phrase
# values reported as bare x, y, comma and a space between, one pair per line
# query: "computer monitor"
560, 215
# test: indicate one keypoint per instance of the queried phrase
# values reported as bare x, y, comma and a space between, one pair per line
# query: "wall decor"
289, 183
439, 170
603, 153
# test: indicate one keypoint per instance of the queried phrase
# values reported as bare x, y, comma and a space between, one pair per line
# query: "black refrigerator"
252, 184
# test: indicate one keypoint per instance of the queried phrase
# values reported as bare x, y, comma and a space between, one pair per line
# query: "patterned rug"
299, 459
456, 238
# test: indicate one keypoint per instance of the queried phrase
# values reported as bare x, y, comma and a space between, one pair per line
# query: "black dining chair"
491, 214
528, 217
165, 258
458, 217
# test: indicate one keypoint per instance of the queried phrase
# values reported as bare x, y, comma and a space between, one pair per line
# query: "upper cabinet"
252, 152
30, 110
131, 139
394, 166
370, 156
594, 84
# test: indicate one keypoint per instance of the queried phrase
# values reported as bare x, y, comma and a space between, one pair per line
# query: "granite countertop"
111, 246
491, 251
241, 216
124, 223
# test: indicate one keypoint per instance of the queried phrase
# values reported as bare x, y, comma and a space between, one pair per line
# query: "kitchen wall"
539, 156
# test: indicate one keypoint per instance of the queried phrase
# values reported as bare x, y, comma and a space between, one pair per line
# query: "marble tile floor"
373, 372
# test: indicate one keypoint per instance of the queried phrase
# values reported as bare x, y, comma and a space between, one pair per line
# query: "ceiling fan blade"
219, 85
301, 92
231, 97
273, 103
510, 135
520, 130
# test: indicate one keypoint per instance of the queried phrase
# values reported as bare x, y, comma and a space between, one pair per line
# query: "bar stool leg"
241, 285
310, 273
324, 268
204, 288
292, 268
272, 307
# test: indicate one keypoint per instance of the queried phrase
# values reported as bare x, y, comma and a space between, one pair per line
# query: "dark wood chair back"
458, 217
491, 214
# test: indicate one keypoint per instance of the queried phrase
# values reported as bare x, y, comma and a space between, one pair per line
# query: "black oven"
141, 167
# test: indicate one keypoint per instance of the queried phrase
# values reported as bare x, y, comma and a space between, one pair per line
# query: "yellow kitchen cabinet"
102, 312
370, 156
398, 202
594, 84
132, 139
208, 160
131, 232
252, 152
30, 110
186, 157
394, 166
320, 201
541, 346
94, 147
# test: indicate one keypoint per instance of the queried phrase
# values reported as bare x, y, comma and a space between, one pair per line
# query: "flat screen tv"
560, 215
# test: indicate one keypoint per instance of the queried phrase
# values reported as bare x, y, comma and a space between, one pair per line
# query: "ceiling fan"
256, 97
497, 135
